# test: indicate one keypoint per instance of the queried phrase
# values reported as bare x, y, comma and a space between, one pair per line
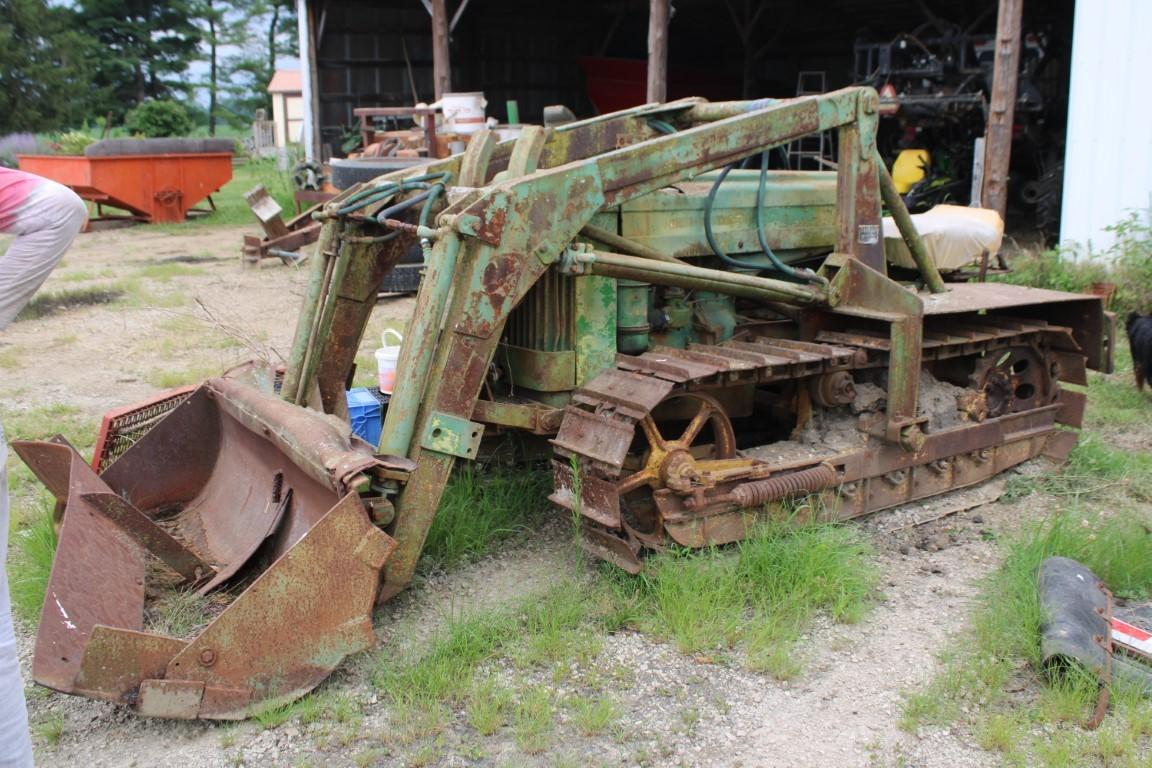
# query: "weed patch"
481, 507
762, 592
1094, 469
30, 563
50, 729
48, 303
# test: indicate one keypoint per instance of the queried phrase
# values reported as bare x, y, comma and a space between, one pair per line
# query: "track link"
600, 427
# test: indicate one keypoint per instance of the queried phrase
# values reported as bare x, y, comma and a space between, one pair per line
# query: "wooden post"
441, 62
659, 11
1002, 110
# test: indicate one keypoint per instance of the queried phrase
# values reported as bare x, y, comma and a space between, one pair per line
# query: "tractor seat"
956, 237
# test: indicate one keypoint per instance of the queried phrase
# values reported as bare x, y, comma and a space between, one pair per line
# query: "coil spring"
776, 488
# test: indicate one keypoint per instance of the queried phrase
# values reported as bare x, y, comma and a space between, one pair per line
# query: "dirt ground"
842, 710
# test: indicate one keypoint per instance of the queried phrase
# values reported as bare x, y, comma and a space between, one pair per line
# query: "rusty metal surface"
151, 536
116, 661
969, 297
300, 618
97, 576
216, 488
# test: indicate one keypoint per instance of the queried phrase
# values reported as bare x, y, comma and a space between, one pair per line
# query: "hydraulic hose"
774, 262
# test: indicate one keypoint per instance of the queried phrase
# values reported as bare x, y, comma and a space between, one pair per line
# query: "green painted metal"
445, 433
595, 321
632, 327
540, 370
305, 338
716, 313
799, 215
678, 331
344, 254
419, 346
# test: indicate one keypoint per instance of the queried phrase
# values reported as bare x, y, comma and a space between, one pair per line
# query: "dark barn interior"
591, 57
540, 53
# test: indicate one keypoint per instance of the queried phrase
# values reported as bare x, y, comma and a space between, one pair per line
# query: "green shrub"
1131, 257
158, 119
73, 142
1057, 270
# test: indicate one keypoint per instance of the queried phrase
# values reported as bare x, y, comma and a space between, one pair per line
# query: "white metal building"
1108, 154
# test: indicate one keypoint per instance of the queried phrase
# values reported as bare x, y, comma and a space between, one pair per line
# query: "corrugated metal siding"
1108, 160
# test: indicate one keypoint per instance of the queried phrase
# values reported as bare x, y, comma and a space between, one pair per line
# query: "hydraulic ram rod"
619, 266
908, 231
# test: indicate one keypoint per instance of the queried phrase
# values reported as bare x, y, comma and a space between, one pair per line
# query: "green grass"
425, 685
993, 682
167, 271
49, 729
30, 563
11, 358
533, 720
593, 716
48, 303
324, 704
1094, 470
164, 378
481, 507
488, 707
761, 593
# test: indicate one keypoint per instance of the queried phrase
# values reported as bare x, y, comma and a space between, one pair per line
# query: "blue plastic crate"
365, 413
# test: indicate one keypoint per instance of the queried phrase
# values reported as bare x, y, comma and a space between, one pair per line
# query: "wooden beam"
441, 61
658, 14
1002, 110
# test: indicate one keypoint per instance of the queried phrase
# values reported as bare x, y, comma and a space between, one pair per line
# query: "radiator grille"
544, 319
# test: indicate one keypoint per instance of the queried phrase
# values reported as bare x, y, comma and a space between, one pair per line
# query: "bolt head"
207, 657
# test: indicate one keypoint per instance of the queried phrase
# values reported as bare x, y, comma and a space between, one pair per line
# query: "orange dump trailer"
136, 175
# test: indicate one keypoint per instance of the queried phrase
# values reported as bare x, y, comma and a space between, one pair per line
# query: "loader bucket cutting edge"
212, 499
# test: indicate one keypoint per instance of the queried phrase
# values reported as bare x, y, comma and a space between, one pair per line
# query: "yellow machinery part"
909, 168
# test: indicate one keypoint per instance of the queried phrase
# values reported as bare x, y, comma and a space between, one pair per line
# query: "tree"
250, 70
146, 47
44, 81
221, 26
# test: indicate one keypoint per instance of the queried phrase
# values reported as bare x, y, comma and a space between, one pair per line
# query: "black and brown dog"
1139, 329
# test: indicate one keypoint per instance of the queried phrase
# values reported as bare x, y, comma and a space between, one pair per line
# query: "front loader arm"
489, 254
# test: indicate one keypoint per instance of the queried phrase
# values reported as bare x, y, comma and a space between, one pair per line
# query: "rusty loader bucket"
235, 497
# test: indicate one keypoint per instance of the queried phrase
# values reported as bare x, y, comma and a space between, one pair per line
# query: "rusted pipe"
624, 245
908, 231
711, 111
620, 266
305, 338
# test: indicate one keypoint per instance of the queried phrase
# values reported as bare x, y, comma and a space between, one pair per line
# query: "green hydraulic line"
305, 327
419, 345
908, 231
624, 267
